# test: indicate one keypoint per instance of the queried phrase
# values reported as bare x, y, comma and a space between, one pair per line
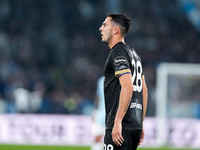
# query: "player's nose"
100, 29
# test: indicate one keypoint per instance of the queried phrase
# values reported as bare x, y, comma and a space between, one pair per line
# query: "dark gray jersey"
122, 60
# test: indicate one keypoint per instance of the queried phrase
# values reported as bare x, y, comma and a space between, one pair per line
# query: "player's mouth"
101, 35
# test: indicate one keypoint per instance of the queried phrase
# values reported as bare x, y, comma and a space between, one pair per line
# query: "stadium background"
51, 50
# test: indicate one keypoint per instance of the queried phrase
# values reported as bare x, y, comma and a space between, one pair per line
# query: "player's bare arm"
124, 101
145, 96
145, 100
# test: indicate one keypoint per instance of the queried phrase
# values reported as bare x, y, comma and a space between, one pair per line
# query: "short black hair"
123, 21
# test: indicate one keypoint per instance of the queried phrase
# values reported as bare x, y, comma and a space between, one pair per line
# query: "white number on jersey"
137, 74
109, 147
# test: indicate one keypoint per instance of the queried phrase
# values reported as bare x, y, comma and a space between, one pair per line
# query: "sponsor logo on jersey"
122, 67
120, 59
136, 105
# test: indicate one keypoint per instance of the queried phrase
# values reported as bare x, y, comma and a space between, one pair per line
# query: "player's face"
106, 30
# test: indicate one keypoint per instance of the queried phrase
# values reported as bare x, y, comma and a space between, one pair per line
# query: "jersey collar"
119, 43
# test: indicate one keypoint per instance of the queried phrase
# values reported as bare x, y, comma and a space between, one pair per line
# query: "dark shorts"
131, 140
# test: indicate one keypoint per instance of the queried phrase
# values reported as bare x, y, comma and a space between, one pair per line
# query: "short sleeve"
121, 62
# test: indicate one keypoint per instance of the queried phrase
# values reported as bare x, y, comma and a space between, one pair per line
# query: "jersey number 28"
137, 75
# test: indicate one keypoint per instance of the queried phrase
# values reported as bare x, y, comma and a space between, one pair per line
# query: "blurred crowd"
51, 54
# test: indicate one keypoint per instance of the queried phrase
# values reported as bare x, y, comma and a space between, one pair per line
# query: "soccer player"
124, 87
99, 117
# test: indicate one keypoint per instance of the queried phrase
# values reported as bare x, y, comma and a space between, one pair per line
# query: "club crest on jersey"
120, 59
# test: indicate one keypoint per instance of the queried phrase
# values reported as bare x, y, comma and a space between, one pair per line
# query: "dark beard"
106, 42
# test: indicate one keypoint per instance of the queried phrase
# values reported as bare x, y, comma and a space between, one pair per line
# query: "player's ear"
116, 29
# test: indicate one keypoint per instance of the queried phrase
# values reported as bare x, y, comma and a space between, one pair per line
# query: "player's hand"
117, 134
141, 138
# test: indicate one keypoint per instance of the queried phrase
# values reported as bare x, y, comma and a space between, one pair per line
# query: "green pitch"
31, 147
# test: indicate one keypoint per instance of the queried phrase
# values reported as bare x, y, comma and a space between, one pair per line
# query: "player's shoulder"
120, 48
119, 45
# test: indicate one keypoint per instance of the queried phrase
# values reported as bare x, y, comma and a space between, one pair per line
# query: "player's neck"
114, 41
